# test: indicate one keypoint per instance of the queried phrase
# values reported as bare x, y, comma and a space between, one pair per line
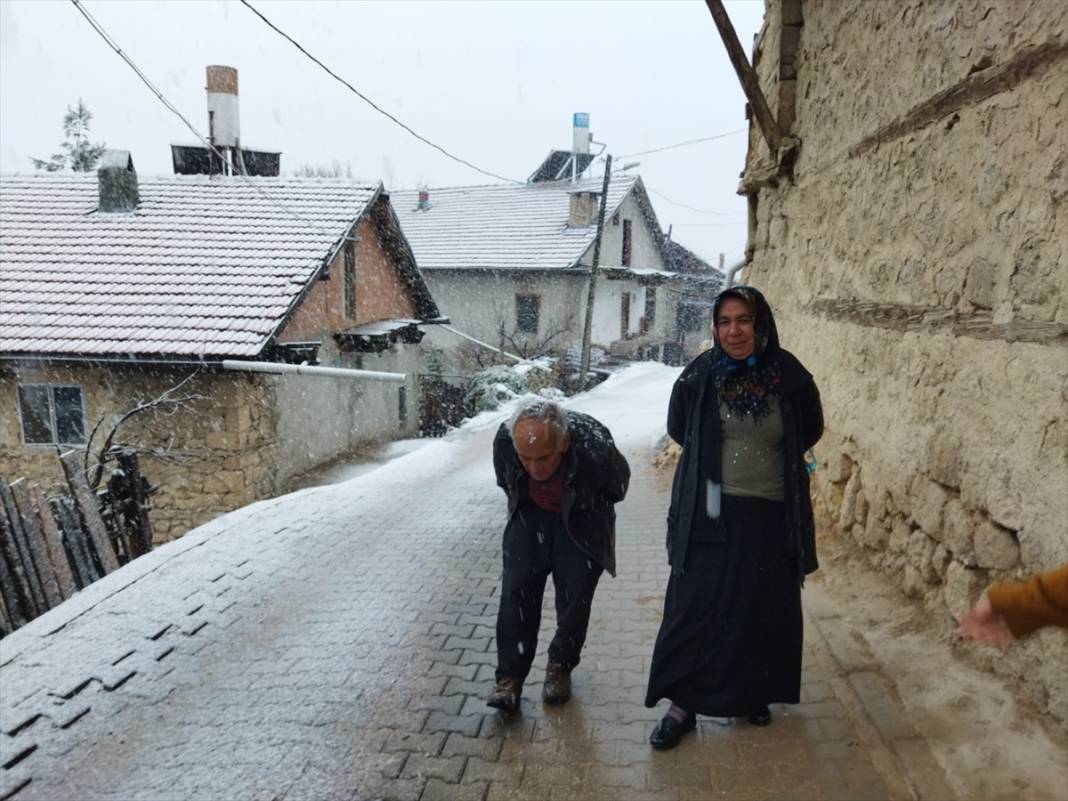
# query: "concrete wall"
320, 418
644, 252
917, 264
478, 302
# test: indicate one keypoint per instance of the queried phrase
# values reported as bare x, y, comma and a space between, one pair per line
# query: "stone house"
509, 264
117, 289
910, 232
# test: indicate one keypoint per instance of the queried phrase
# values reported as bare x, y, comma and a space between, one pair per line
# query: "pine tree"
79, 154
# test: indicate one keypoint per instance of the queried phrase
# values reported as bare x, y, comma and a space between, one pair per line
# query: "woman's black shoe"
762, 717
669, 731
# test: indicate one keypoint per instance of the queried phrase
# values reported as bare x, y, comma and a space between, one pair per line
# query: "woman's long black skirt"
731, 637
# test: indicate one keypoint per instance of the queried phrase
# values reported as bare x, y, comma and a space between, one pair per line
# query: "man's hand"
984, 625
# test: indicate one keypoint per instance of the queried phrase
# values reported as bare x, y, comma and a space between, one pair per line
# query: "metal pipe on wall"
300, 369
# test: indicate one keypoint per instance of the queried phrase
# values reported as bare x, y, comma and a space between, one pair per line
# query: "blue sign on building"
582, 119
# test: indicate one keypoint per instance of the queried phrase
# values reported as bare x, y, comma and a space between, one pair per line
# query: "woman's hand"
984, 625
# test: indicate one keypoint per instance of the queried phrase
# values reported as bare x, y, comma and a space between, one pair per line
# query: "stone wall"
214, 455
915, 254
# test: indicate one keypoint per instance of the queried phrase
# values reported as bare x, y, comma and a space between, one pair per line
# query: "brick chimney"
424, 200
117, 182
583, 208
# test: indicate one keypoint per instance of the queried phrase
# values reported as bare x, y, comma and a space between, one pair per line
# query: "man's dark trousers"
536, 545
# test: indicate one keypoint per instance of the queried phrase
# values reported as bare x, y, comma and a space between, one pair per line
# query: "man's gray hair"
544, 411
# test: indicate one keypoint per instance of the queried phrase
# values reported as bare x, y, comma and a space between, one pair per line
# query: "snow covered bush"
488, 388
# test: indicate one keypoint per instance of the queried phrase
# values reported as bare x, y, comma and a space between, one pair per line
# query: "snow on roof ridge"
539, 185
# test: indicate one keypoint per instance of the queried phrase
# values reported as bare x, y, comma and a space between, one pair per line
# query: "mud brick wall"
916, 259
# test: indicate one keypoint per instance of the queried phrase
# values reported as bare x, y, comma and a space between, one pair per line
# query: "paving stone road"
326, 655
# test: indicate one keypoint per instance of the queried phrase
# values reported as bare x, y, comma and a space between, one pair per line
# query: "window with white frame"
52, 414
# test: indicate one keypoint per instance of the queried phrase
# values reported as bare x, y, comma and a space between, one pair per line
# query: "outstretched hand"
984, 625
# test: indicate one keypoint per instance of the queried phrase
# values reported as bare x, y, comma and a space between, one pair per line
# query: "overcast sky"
495, 83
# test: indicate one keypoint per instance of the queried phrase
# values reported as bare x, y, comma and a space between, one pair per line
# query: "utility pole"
587, 330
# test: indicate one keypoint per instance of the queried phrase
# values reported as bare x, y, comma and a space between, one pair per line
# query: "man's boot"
557, 687
506, 694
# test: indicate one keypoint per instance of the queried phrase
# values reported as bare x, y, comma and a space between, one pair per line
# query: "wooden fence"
51, 547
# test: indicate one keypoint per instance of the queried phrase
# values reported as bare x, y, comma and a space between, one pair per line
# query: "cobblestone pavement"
332, 656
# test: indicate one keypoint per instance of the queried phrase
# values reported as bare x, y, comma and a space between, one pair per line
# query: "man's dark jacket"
596, 477
693, 420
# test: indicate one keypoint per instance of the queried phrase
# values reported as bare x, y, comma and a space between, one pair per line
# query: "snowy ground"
359, 464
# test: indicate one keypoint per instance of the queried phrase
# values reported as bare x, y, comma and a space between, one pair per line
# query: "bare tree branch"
166, 404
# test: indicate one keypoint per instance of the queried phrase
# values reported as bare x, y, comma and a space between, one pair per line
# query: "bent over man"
562, 475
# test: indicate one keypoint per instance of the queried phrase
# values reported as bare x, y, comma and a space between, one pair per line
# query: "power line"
687, 143
370, 102
114, 46
693, 208
708, 225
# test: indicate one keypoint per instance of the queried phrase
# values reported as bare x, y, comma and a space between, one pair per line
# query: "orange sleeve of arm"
1040, 601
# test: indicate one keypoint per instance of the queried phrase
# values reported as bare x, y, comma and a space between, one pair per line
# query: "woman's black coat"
693, 405
596, 476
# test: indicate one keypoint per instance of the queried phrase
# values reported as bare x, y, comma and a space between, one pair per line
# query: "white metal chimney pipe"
300, 369
580, 139
222, 106
728, 280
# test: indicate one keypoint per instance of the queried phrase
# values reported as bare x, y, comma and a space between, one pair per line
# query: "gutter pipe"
300, 369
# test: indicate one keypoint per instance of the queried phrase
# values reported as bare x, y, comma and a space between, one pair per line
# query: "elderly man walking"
563, 475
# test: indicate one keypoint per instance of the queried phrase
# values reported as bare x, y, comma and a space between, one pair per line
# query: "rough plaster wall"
644, 253
320, 419
477, 301
220, 449
946, 455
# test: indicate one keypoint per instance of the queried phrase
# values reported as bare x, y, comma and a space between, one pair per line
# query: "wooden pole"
587, 329
89, 512
35, 539
22, 545
746, 74
81, 561
54, 541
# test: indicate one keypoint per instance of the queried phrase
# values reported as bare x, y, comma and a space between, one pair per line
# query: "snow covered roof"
205, 267
502, 226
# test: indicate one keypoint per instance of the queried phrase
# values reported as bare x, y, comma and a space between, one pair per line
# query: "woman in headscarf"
740, 532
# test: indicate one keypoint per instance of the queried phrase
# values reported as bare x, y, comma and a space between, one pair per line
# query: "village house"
510, 264
116, 289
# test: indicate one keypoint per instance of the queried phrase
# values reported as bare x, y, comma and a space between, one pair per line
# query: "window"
690, 317
402, 404
626, 243
349, 280
527, 310
650, 309
624, 316
52, 414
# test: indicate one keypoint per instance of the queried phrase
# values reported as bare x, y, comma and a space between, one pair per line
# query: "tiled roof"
203, 268
501, 226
